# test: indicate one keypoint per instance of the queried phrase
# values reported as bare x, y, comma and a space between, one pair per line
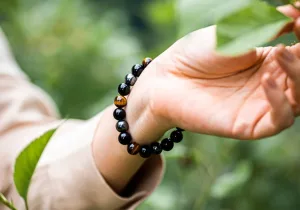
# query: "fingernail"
271, 82
288, 56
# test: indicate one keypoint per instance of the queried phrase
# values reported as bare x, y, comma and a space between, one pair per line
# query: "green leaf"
277, 2
27, 161
196, 14
286, 39
250, 27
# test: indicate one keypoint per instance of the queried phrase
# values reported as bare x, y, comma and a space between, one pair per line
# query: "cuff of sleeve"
77, 183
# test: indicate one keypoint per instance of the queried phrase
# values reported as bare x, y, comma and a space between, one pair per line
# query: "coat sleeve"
66, 176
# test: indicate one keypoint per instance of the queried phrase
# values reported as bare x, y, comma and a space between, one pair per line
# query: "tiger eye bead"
133, 148
167, 144
146, 62
119, 114
130, 79
123, 89
156, 148
137, 69
122, 126
145, 151
124, 138
120, 101
176, 136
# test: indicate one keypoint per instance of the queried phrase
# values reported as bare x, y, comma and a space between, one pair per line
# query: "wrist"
108, 153
146, 124
145, 127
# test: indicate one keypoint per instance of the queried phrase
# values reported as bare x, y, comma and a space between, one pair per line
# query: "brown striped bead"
120, 101
146, 62
133, 148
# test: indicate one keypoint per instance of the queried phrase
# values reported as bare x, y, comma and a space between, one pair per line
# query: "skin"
190, 86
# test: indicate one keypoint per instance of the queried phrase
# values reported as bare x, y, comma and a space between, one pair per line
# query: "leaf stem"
6, 202
26, 205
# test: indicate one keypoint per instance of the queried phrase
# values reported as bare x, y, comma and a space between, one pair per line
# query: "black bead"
137, 69
176, 136
125, 138
119, 114
124, 89
122, 126
167, 144
145, 151
156, 148
130, 79
180, 129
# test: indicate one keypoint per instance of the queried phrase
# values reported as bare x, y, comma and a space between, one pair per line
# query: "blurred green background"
79, 50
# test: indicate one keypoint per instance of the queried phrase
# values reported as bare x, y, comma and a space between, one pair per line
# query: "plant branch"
6, 202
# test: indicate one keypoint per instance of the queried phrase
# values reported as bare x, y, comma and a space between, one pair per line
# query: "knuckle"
242, 130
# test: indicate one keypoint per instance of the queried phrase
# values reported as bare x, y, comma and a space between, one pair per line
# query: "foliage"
241, 24
25, 166
78, 51
194, 14
27, 161
251, 26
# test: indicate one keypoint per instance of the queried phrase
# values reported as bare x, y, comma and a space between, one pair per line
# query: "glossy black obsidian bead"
122, 126
180, 129
145, 151
124, 89
146, 62
130, 79
133, 148
137, 69
176, 136
156, 148
119, 114
125, 138
167, 144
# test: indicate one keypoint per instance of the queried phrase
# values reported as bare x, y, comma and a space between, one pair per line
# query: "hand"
247, 97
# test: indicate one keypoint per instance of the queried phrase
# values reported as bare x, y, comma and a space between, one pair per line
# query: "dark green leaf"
27, 161
277, 2
287, 39
196, 14
252, 26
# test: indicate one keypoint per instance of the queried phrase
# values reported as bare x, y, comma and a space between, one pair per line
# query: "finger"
289, 11
290, 64
281, 112
293, 13
297, 28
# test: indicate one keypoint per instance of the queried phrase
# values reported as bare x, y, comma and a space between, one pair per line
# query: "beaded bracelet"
122, 126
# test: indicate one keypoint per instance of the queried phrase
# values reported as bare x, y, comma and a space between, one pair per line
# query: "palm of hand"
226, 97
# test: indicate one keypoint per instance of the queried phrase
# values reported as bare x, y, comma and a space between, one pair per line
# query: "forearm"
112, 159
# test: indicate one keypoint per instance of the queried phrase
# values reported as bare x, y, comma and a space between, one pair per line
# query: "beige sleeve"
66, 177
